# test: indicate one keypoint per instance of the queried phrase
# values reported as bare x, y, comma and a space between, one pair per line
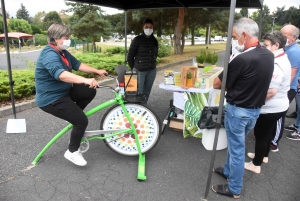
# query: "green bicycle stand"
142, 158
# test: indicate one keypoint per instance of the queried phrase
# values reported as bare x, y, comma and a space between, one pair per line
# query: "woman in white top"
276, 104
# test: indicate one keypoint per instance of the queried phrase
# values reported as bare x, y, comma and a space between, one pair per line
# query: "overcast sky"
34, 6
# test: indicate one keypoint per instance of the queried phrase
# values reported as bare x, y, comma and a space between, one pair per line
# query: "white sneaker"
251, 167
75, 157
252, 155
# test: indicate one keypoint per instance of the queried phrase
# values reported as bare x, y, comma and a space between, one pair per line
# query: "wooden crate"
184, 71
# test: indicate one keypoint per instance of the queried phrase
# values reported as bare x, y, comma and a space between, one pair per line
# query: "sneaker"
251, 167
273, 148
223, 190
291, 128
75, 157
252, 155
294, 136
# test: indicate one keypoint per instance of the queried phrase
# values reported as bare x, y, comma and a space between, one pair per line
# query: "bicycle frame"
93, 135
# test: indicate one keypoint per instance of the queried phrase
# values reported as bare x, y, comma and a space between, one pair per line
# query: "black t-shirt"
249, 76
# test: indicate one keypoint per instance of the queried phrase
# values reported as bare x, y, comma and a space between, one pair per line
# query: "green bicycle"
128, 128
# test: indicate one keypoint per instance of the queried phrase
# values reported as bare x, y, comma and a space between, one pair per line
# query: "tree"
36, 20
20, 25
51, 18
22, 13
177, 32
244, 12
93, 26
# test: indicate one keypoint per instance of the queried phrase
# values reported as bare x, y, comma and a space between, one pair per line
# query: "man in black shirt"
248, 79
142, 56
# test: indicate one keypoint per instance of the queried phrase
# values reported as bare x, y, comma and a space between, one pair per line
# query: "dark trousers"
70, 108
277, 135
264, 127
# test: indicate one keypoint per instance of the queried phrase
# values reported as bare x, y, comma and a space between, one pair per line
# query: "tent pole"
11, 82
260, 22
221, 103
125, 36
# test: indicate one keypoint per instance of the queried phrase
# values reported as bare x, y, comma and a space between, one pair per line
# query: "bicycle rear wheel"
146, 123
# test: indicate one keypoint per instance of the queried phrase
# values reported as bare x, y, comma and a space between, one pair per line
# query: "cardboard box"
207, 79
176, 124
184, 71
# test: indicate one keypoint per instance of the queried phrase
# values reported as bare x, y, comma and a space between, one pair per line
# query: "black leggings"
70, 108
264, 127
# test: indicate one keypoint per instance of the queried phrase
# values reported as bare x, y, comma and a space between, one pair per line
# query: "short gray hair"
295, 32
246, 25
276, 37
57, 31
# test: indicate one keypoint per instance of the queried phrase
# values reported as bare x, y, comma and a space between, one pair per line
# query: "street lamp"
273, 23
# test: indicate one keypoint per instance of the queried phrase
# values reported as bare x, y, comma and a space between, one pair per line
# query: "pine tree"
22, 13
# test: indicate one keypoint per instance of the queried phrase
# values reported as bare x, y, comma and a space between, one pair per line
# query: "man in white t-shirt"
277, 101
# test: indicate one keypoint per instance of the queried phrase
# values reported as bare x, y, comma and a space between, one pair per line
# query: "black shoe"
291, 128
223, 190
220, 171
292, 115
274, 148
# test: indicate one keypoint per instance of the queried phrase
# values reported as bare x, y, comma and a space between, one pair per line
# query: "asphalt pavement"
176, 169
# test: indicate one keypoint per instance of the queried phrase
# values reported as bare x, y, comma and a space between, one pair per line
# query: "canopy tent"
161, 4
16, 35
167, 4
164, 4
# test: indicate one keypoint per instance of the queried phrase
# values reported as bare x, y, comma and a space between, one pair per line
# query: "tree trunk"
192, 35
94, 46
177, 45
159, 26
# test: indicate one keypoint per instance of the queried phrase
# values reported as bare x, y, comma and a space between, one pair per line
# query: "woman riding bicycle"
62, 93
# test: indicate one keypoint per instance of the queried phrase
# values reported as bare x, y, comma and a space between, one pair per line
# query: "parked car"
199, 38
119, 39
224, 38
218, 38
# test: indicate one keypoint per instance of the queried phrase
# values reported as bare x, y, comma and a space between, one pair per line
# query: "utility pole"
273, 23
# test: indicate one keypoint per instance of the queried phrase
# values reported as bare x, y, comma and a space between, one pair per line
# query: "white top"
281, 81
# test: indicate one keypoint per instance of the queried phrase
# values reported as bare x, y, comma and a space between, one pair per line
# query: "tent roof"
148, 4
16, 35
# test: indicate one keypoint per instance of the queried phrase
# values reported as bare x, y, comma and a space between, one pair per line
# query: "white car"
224, 38
199, 38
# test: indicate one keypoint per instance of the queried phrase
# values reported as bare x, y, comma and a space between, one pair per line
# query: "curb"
6, 111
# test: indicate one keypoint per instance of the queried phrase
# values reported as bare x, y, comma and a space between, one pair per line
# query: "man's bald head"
291, 32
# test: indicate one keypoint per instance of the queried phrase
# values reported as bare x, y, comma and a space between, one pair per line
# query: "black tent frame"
147, 4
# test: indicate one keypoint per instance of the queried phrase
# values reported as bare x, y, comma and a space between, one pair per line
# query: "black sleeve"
132, 52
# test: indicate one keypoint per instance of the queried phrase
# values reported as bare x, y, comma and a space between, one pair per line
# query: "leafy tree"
35, 29
36, 20
20, 25
1, 25
93, 26
51, 18
117, 22
22, 13
244, 12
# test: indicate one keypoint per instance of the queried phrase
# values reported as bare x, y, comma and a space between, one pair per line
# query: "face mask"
148, 32
66, 44
287, 42
237, 46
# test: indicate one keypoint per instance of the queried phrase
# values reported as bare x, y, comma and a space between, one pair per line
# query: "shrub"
40, 39
164, 49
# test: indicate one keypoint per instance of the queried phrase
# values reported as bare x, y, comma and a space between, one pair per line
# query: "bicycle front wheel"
145, 121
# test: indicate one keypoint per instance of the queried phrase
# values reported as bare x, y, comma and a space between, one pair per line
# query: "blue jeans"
238, 122
146, 80
297, 123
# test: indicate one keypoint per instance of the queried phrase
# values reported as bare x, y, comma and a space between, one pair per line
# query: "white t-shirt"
281, 81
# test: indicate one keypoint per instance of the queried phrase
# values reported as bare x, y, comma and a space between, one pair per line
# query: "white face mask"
66, 44
287, 42
237, 46
148, 32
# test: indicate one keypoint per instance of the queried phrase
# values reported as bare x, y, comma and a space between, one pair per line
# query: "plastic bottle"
121, 86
